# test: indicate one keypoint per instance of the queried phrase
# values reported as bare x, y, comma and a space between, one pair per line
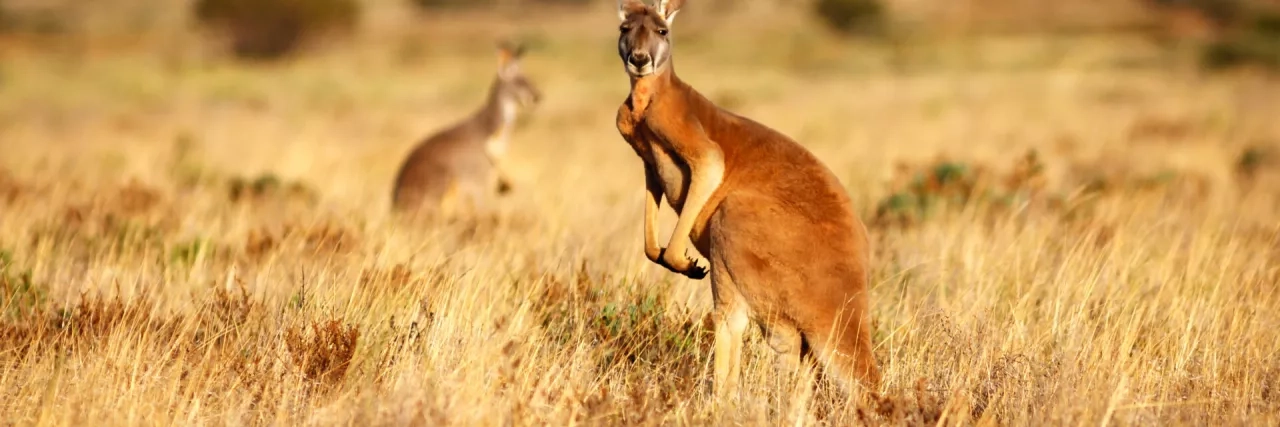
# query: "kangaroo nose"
639, 59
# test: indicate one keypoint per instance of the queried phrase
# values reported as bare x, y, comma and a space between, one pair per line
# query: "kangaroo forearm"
707, 176
653, 195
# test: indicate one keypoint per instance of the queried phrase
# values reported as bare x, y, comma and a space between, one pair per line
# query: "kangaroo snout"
639, 59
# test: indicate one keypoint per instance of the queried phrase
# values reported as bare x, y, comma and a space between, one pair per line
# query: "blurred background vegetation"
1217, 33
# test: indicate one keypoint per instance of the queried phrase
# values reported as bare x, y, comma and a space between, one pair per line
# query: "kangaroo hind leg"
787, 341
731, 317
843, 346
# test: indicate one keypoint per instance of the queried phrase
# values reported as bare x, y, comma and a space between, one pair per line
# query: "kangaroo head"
511, 84
643, 43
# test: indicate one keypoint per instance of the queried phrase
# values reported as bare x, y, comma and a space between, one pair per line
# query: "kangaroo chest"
657, 153
672, 171
495, 145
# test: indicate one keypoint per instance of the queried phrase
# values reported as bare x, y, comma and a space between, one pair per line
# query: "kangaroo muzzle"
640, 59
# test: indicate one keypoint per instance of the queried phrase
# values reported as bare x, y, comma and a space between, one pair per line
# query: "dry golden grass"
184, 240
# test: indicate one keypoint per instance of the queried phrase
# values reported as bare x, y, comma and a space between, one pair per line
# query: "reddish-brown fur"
786, 249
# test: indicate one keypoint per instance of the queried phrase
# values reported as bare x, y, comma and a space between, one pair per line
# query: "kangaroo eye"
624, 28
662, 32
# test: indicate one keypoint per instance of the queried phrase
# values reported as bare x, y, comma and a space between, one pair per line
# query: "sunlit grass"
196, 241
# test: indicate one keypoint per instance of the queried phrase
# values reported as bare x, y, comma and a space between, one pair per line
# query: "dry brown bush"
270, 29
323, 351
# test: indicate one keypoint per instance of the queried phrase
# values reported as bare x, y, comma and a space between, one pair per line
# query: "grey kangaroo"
461, 167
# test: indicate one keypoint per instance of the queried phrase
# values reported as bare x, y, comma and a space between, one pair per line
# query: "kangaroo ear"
508, 57
669, 8
509, 51
627, 7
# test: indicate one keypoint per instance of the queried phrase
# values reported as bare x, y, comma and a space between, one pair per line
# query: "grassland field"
1069, 229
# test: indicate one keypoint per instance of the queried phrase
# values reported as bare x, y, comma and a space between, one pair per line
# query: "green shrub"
29, 20
1215, 10
1255, 41
866, 17
926, 190
564, 2
480, 4
19, 295
1250, 31
452, 4
268, 29
1255, 160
